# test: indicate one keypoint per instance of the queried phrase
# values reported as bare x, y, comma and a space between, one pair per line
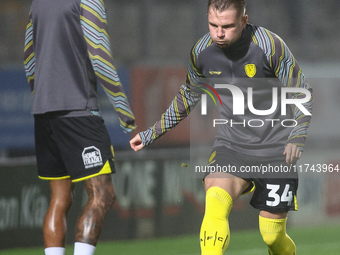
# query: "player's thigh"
222, 172
235, 186
270, 215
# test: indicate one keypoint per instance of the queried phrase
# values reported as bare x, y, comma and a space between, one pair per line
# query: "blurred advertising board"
16, 121
332, 187
153, 89
156, 197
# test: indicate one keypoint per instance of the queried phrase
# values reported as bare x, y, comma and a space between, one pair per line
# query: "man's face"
225, 26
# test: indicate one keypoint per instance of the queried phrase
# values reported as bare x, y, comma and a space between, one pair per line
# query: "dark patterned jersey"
259, 60
67, 54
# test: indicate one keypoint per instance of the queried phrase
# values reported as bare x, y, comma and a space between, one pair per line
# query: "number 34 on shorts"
275, 198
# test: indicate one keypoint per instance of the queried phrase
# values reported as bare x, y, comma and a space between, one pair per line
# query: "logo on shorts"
92, 157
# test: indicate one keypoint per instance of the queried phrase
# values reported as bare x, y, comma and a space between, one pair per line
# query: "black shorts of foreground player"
236, 51
71, 150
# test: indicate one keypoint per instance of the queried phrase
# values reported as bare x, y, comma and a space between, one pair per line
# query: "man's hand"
136, 143
292, 153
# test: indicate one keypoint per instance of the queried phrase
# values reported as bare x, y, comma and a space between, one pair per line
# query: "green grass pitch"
309, 241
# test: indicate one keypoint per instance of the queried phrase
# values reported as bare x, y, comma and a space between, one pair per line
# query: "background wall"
164, 31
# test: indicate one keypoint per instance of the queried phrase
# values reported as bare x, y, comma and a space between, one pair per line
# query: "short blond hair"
221, 5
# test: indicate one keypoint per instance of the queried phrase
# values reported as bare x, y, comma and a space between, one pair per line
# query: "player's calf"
215, 233
101, 198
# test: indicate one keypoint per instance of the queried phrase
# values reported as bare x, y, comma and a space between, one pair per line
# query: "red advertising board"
333, 191
152, 91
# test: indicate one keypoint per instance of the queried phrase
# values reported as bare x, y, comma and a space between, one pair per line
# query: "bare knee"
231, 184
101, 192
62, 193
63, 202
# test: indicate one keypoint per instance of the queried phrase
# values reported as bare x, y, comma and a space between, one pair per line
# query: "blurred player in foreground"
238, 52
67, 52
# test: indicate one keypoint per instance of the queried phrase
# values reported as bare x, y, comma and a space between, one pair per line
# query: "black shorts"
72, 147
275, 181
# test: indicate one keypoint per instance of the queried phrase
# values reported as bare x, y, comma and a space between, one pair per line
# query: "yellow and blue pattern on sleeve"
95, 29
183, 103
287, 70
29, 57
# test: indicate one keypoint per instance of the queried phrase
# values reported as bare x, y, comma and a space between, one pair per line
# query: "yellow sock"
215, 233
274, 234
